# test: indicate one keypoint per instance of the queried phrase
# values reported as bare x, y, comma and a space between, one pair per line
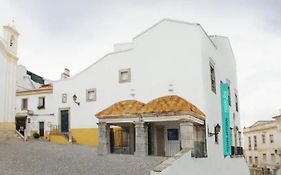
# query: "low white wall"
204, 166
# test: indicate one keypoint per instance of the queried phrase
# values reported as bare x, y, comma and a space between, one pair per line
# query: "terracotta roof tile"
164, 104
168, 104
126, 107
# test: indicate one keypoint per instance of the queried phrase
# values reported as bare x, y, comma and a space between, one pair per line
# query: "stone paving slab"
41, 157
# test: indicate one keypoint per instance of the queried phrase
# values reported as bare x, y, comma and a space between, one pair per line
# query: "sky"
75, 33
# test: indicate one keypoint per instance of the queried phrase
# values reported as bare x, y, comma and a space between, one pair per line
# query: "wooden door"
41, 129
160, 141
64, 121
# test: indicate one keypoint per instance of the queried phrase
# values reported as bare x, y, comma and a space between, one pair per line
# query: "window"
41, 103
273, 157
229, 95
24, 104
124, 75
213, 77
263, 138
264, 157
255, 143
240, 138
271, 138
256, 160
250, 159
12, 40
249, 143
91, 95
173, 134
64, 98
236, 102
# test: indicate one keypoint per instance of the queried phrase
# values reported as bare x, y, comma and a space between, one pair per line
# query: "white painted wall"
24, 81
169, 53
3, 63
188, 165
7, 85
40, 115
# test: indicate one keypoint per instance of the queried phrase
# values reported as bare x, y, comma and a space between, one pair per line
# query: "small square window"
91, 95
124, 75
41, 103
64, 98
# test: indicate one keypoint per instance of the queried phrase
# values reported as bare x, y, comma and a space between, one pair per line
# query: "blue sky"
73, 34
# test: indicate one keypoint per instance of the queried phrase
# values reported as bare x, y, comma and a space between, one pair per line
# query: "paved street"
40, 157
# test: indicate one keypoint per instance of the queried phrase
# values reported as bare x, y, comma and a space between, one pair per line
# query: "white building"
34, 110
263, 146
8, 66
34, 103
170, 59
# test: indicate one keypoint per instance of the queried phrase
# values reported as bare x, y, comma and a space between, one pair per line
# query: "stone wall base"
7, 131
7, 126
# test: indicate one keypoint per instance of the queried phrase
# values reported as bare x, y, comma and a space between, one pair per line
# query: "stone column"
131, 139
187, 137
104, 141
141, 139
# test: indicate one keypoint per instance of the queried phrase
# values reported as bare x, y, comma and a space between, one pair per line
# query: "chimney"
65, 74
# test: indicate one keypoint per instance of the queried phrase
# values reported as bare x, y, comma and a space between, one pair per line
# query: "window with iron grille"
213, 77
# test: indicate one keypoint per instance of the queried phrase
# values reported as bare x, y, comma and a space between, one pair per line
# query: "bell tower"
11, 38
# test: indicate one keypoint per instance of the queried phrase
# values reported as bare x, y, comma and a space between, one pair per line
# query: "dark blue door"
64, 121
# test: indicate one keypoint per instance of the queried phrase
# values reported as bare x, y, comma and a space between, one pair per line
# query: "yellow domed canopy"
126, 107
168, 104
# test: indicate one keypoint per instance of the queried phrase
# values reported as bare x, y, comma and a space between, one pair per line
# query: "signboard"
225, 119
173, 134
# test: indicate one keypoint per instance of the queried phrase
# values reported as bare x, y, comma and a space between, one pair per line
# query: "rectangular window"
271, 138
124, 75
256, 160
24, 104
229, 95
264, 157
240, 138
273, 157
263, 138
91, 95
41, 103
250, 159
64, 98
250, 143
213, 77
255, 143
236, 102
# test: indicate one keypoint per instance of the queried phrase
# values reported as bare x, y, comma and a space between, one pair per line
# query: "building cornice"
260, 128
35, 92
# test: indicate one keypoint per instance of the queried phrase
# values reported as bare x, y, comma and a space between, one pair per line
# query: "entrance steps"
61, 138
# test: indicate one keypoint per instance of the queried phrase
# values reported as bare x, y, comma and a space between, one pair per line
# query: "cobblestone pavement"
41, 157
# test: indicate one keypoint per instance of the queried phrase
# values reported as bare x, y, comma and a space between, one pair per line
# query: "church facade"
8, 67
